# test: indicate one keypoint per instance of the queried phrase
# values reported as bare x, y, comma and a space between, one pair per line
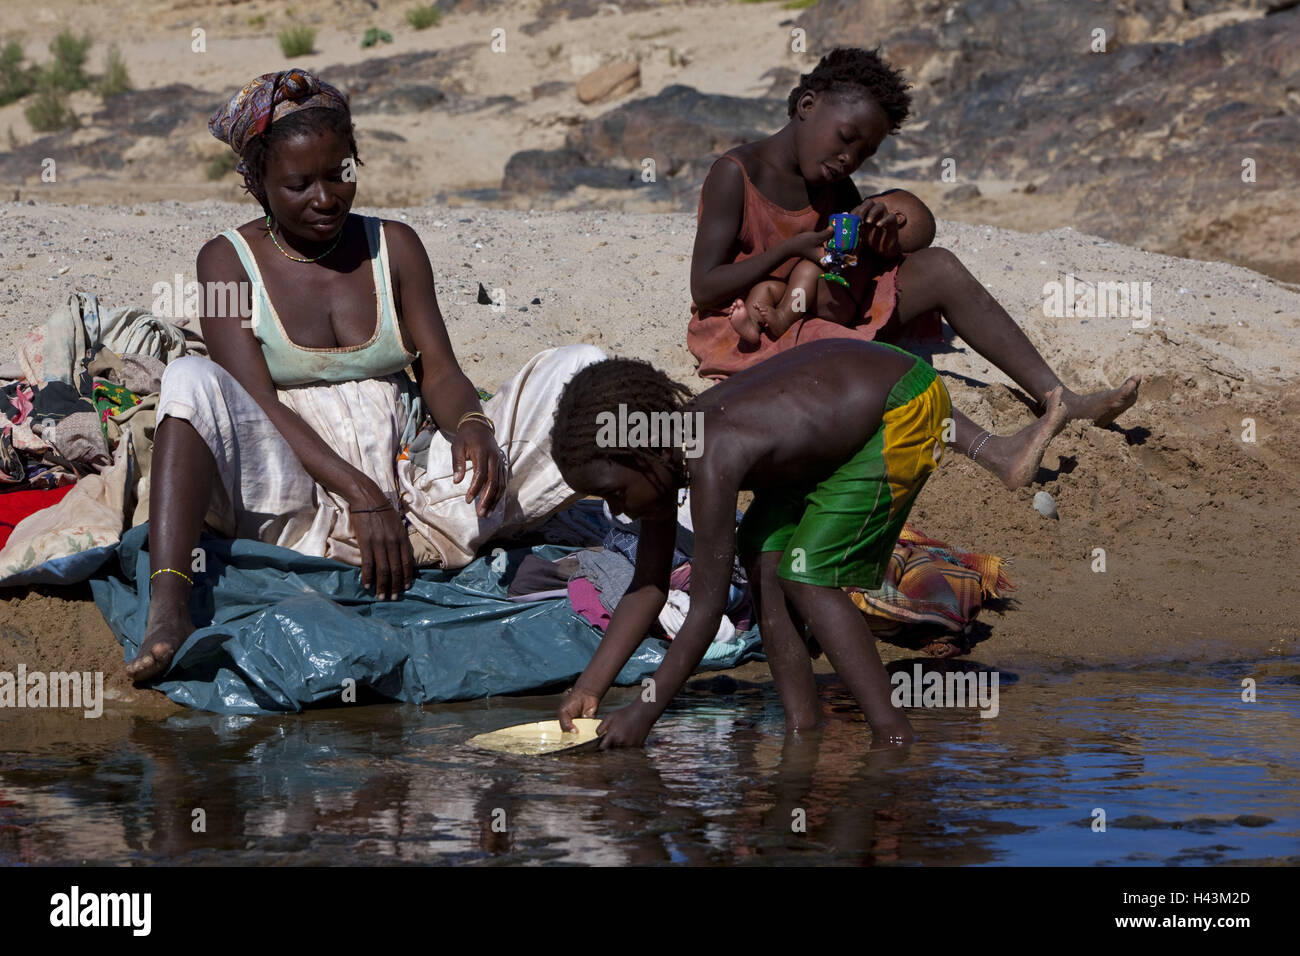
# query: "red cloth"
585, 600
17, 505
716, 345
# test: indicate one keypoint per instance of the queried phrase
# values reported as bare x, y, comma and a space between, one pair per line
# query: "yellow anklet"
171, 571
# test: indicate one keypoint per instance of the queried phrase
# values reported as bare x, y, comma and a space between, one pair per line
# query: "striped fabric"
932, 593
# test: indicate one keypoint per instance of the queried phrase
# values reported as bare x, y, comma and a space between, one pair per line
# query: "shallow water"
1185, 771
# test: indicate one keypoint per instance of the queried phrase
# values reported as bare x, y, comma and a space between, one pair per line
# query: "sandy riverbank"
1195, 523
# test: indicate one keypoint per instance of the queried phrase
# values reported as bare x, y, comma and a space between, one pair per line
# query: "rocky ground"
1172, 129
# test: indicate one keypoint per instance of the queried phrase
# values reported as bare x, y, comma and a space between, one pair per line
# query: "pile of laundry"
77, 416
595, 579
930, 599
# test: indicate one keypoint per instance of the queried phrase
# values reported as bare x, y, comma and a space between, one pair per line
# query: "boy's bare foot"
896, 735
164, 633
1104, 407
744, 323
805, 722
1015, 459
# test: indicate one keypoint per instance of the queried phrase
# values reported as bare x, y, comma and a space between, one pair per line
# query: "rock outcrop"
671, 139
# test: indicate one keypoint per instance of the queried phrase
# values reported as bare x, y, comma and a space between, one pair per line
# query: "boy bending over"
835, 438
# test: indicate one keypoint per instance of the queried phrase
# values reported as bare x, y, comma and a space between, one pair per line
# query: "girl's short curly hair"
849, 71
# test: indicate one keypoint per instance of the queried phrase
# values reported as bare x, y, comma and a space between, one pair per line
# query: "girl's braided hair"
849, 71
602, 387
308, 121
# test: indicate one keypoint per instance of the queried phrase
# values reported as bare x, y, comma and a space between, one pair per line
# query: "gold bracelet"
476, 416
172, 571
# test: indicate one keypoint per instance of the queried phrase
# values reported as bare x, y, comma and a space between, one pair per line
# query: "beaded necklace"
336, 241
686, 473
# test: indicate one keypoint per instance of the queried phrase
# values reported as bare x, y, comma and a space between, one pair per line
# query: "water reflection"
1184, 771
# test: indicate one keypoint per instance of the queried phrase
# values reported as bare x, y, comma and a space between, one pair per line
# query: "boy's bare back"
797, 416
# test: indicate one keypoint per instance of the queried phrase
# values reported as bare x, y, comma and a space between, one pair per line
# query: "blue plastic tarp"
69, 569
283, 631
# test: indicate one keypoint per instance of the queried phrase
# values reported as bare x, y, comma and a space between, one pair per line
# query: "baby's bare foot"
769, 318
743, 323
1104, 407
1015, 459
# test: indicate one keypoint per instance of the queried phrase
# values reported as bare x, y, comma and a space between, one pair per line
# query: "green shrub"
422, 17
16, 80
48, 112
115, 79
68, 71
222, 164
374, 35
297, 41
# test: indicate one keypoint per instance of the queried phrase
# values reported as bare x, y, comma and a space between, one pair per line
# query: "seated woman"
763, 210
294, 432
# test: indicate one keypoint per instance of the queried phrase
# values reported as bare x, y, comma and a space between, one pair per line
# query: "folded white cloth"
674, 612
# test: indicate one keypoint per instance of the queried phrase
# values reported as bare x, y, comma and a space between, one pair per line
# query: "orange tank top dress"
709, 335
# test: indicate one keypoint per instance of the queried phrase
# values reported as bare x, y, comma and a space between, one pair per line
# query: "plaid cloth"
931, 591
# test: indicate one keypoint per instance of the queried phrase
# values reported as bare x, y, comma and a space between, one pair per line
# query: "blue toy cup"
847, 228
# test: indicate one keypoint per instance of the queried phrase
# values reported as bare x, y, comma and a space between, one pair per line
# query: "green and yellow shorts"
841, 532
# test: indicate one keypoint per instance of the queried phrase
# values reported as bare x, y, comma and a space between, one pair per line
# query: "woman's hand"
809, 245
474, 442
880, 228
387, 561
577, 703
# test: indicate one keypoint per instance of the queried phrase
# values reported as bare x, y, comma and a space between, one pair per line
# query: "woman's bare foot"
165, 631
744, 323
161, 641
1104, 407
1015, 459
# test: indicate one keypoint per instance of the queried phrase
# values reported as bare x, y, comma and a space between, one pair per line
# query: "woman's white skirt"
263, 492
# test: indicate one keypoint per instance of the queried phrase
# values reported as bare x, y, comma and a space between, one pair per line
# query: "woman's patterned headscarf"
267, 99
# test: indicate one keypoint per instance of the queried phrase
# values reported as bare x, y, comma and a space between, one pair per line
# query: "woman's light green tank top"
291, 364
